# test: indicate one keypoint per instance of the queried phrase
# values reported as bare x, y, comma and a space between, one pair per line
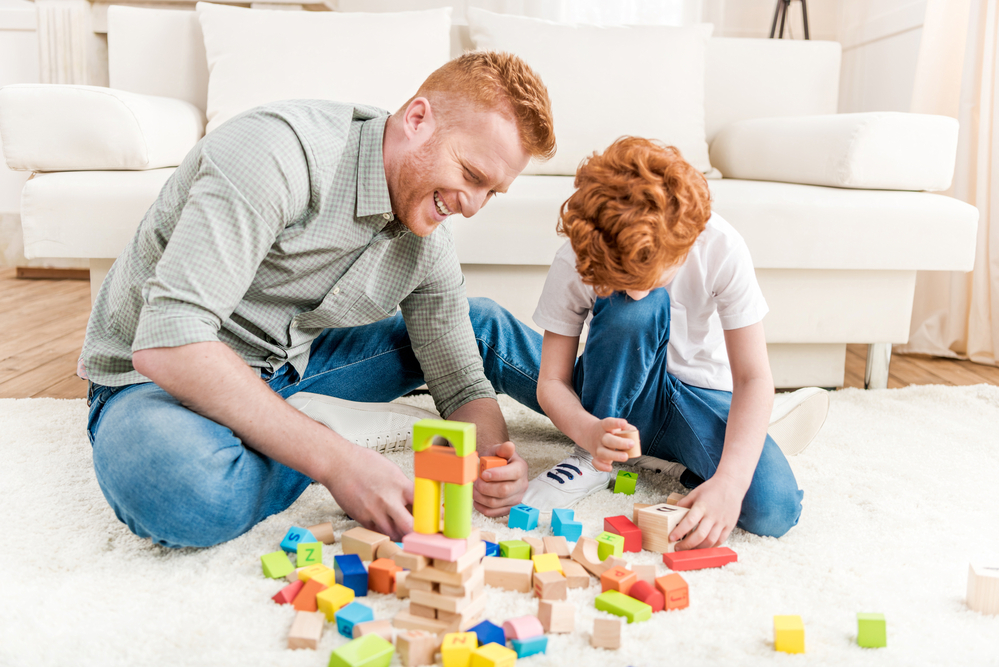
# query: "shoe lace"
564, 469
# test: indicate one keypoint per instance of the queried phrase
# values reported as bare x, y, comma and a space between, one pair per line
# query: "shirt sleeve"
436, 315
252, 181
737, 294
565, 300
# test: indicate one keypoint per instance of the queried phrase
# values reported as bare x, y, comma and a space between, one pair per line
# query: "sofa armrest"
52, 127
876, 151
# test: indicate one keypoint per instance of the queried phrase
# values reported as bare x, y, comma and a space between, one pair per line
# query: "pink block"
287, 594
433, 546
524, 627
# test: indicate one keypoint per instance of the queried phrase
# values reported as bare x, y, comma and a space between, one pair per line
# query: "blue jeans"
622, 373
183, 480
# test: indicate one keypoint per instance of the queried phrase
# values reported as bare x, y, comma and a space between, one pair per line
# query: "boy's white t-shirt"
715, 290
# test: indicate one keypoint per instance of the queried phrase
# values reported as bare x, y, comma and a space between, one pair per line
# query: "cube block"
367, 651
789, 634
557, 616
524, 517
606, 633
306, 630
489, 633
457, 647
493, 655
276, 564
333, 599
350, 615
625, 482
487, 462
310, 553
547, 563
530, 646
293, 537
492, 549
515, 549
617, 579
675, 591
619, 604
983, 588
550, 586
381, 575
871, 631
609, 544
443, 464
623, 526
350, 572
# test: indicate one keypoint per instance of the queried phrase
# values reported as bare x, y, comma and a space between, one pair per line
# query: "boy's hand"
714, 507
499, 489
605, 445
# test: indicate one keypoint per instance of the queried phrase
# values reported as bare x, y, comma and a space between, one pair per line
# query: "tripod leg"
804, 18
783, 16
773, 26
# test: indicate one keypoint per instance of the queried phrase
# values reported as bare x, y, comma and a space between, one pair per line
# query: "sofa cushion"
258, 56
645, 81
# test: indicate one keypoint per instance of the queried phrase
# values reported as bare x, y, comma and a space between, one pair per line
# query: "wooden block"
623, 526
556, 544
293, 575
536, 543
529, 646
426, 506
619, 604
493, 655
570, 530
327, 577
412, 562
560, 516
445, 602
461, 435
333, 599
547, 563
458, 511
625, 482
323, 532
617, 579
350, 615
522, 627
488, 536
310, 553
436, 576
287, 594
387, 550
306, 573
362, 542
550, 586
369, 650
634, 511
606, 633
524, 517
674, 498
416, 647
645, 572
511, 574
586, 554
382, 628
515, 549
276, 565
293, 537
575, 575
645, 592
306, 630
402, 584
487, 462
474, 582
699, 559
433, 546
442, 464
871, 631
609, 544
656, 523
422, 610
557, 616
407, 621
676, 594
983, 588
474, 537
636, 448
306, 598
381, 575
467, 617
470, 558
789, 634
350, 572
489, 633
423, 585
457, 647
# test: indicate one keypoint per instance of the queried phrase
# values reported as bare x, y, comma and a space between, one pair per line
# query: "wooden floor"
42, 323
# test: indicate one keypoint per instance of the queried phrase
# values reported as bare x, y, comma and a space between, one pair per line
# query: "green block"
457, 510
367, 651
276, 565
620, 604
872, 631
609, 544
625, 482
310, 553
460, 434
515, 549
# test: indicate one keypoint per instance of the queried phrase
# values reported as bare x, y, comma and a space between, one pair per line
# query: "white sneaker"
797, 418
671, 469
383, 427
567, 483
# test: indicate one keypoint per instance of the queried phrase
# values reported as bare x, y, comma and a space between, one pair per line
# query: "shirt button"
387, 216
336, 290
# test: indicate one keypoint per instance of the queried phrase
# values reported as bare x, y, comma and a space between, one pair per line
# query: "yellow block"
426, 506
327, 578
789, 634
547, 563
457, 647
332, 599
310, 571
493, 655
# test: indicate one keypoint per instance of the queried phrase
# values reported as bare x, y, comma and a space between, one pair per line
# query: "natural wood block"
623, 526
426, 506
606, 633
474, 537
646, 573
323, 532
306, 630
511, 574
470, 558
789, 634
362, 542
645, 592
557, 616
575, 574
467, 617
445, 602
387, 550
617, 579
306, 598
442, 464
522, 627
422, 610
556, 544
547, 563
550, 586
983, 588
411, 562
699, 559
294, 575
382, 628
436, 576
457, 647
433, 546
423, 585
416, 647
536, 543
474, 582
634, 511
675, 592
656, 523
407, 621
636, 448
402, 584
674, 498
488, 536
586, 553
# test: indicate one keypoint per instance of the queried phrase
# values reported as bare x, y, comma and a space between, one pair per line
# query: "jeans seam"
340, 368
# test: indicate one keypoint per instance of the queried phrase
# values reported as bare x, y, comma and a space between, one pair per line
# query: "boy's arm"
716, 504
559, 401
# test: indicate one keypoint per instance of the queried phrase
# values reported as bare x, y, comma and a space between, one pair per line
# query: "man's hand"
499, 489
714, 507
374, 492
602, 441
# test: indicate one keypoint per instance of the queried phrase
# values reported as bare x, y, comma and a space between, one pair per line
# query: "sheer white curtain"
957, 314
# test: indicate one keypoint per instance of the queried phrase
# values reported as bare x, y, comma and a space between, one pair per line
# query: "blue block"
350, 572
492, 549
524, 517
294, 536
526, 647
560, 517
488, 633
350, 616
570, 530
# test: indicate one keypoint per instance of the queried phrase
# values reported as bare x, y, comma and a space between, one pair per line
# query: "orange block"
442, 464
487, 462
675, 590
617, 579
381, 575
306, 598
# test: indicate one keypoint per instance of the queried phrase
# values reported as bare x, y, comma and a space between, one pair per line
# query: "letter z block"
367, 651
524, 517
461, 435
442, 464
310, 553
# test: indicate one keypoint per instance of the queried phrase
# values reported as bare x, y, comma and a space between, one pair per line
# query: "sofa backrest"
161, 52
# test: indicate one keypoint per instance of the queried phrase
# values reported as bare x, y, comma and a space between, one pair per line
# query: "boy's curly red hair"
637, 210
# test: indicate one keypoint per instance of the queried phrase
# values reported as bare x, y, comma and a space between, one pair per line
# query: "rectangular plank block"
789, 634
426, 506
408, 561
511, 574
369, 651
556, 544
433, 575
442, 464
470, 558
699, 559
475, 581
306, 630
871, 631
623, 526
656, 523
457, 510
433, 546
461, 435
362, 542
619, 604
408, 621
401, 584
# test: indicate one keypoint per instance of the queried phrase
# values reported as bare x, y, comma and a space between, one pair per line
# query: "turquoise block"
524, 517
526, 647
561, 517
294, 537
351, 615
570, 530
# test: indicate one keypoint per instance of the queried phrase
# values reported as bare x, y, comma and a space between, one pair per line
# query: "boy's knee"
773, 514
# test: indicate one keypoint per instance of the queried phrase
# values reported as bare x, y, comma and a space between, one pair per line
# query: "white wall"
753, 18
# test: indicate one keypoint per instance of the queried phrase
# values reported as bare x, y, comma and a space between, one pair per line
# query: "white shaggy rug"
901, 491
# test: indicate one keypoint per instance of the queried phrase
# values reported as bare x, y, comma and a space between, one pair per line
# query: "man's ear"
418, 121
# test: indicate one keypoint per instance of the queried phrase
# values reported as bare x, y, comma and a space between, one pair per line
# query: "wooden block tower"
446, 578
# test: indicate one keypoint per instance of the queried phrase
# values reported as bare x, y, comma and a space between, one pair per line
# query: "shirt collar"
372, 188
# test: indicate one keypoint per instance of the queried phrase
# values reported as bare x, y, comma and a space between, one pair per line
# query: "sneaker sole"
794, 431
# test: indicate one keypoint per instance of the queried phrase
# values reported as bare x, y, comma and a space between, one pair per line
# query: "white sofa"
831, 206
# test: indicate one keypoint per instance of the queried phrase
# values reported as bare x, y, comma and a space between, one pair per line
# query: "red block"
306, 598
699, 559
646, 592
287, 594
623, 526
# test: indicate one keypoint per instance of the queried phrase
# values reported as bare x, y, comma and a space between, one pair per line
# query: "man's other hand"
374, 492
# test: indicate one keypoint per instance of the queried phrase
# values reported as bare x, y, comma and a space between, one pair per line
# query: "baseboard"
42, 273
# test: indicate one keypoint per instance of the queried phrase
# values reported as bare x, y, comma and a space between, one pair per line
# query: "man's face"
457, 169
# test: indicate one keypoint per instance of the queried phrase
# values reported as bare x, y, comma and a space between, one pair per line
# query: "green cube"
620, 604
276, 565
367, 651
871, 631
515, 549
310, 553
609, 544
625, 482
460, 434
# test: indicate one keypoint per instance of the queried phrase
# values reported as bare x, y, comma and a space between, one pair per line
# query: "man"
271, 264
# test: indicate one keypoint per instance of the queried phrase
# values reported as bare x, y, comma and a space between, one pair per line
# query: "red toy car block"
623, 526
699, 559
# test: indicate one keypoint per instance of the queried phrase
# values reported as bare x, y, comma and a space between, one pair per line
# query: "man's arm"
212, 380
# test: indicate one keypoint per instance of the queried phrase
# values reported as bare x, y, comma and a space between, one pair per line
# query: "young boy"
675, 349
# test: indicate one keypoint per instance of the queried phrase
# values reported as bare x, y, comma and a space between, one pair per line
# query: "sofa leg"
878, 360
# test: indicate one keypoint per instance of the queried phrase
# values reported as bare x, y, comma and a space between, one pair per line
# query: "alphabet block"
983, 588
433, 546
636, 448
699, 559
310, 553
443, 464
617, 579
489, 633
426, 506
306, 598
625, 482
350, 572
550, 586
656, 523
647, 593
492, 548
515, 549
871, 631
789, 634
381, 575
362, 542
556, 545
619, 604
623, 526
323, 532
511, 574
524, 517
333, 599
606, 633
276, 565
493, 655
416, 647
530, 646
556, 616
367, 651
675, 591
547, 563
575, 575
382, 628
461, 435
457, 647
350, 615
609, 544
287, 594
458, 509
293, 537
306, 630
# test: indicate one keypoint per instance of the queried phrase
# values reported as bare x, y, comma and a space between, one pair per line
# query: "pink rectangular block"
433, 546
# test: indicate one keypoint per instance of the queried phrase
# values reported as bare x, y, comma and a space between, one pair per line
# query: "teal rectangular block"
526, 647
619, 604
350, 615
366, 651
872, 631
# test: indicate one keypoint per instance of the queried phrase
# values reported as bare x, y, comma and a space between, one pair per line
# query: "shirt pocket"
334, 314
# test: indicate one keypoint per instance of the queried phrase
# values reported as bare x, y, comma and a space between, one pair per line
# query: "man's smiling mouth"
441, 206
